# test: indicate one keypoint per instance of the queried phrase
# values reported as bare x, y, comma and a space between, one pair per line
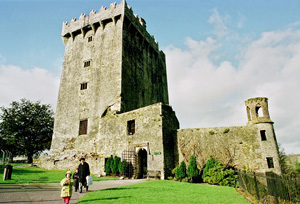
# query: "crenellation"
94, 17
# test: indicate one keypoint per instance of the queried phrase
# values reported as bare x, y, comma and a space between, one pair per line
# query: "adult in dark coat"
83, 171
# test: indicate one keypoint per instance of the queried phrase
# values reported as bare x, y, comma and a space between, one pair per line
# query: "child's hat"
68, 172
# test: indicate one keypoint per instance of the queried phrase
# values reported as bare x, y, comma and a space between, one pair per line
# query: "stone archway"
141, 163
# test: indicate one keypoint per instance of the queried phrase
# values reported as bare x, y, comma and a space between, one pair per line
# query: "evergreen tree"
209, 164
193, 170
108, 165
180, 172
115, 166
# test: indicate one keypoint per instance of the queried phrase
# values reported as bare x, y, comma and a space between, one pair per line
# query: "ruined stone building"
113, 100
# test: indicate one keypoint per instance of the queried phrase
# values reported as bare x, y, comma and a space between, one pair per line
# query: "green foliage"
193, 171
219, 174
115, 165
297, 166
209, 164
287, 170
211, 132
26, 128
180, 172
108, 165
226, 130
125, 169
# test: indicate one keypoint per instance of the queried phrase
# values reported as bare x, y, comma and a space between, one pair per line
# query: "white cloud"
34, 84
219, 23
204, 94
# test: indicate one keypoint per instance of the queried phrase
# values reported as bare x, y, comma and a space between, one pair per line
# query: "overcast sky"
219, 54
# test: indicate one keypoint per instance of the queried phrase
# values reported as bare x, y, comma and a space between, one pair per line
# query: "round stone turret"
257, 110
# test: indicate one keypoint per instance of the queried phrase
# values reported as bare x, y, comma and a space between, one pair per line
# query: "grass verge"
165, 192
38, 175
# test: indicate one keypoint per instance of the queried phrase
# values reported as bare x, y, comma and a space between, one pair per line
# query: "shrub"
108, 165
170, 178
115, 165
219, 174
226, 130
211, 132
180, 172
193, 170
209, 164
124, 168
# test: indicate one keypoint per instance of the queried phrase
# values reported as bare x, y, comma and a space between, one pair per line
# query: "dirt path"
49, 193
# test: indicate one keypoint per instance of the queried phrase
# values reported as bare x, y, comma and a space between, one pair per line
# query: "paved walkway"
49, 193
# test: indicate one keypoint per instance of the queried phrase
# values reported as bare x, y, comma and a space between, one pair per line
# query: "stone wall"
239, 146
144, 79
155, 126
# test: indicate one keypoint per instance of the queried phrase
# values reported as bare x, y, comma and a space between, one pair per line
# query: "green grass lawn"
38, 175
165, 192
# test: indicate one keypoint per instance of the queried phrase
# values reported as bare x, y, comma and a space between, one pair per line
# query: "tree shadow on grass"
101, 199
119, 188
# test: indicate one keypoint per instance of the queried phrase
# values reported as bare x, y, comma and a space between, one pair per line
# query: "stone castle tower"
111, 65
113, 100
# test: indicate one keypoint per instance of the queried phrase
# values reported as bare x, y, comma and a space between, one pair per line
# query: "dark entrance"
142, 163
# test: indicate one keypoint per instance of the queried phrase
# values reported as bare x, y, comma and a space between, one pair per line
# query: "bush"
193, 171
180, 172
209, 164
108, 165
115, 165
125, 169
219, 174
226, 130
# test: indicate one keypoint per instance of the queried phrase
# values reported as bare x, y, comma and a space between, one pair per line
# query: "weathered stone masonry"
113, 100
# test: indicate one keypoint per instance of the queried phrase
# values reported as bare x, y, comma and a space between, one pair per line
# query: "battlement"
256, 100
98, 20
257, 110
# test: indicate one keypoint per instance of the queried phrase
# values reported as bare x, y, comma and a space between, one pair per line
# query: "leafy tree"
26, 128
286, 168
193, 170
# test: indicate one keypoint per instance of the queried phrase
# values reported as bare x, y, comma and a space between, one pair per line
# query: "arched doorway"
142, 163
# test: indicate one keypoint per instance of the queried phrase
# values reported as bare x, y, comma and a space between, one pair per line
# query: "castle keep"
113, 100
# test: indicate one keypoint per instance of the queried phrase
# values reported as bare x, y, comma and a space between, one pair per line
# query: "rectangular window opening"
87, 64
90, 38
83, 86
131, 127
83, 127
263, 135
270, 162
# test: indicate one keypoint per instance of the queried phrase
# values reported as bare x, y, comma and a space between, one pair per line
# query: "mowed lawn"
165, 192
38, 175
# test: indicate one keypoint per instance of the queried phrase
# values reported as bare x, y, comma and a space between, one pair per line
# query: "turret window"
270, 162
258, 111
263, 135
